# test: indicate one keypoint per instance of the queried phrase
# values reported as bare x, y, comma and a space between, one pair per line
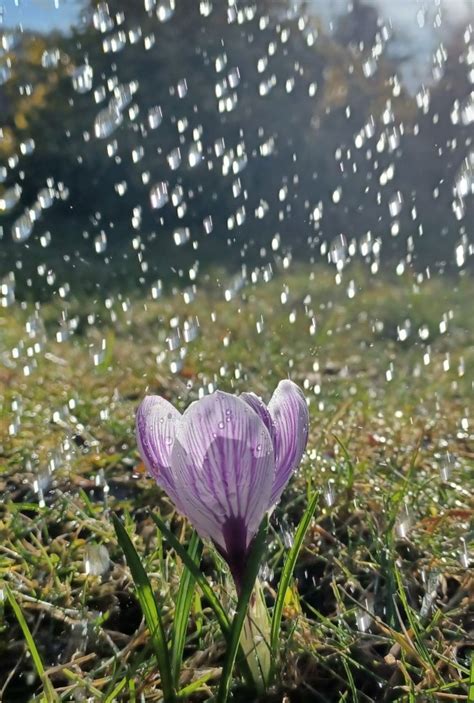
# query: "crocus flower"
225, 461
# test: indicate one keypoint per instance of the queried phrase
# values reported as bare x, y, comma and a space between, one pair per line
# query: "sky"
418, 27
45, 15
403, 13
414, 24
39, 15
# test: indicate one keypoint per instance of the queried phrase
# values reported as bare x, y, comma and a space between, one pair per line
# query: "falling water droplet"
82, 78
9, 198
395, 204
96, 560
159, 195
22, 228
5, 73
165, 10
338, 252
107, 122
181, 236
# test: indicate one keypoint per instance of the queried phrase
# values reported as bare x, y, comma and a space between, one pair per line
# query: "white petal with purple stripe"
156, 422
290, 416
223, 466
257, 404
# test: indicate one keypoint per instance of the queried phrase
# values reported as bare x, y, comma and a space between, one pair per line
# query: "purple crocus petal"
257, 404
223, 467
156, 423
290, 416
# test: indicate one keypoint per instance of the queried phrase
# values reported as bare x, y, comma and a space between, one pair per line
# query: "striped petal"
290, 416
257, 404
223, 469
156, 422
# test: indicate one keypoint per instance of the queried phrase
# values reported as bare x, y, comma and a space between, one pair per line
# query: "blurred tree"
251, 119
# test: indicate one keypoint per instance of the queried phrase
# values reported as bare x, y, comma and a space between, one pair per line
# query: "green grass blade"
111, 697
183, 606
248, 584
349, 463
201, 580
204, 585
149, 608
415, 626
196, 685
286, 575
471, 682
49, 691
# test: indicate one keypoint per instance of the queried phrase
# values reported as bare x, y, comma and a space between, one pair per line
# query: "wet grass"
380, 608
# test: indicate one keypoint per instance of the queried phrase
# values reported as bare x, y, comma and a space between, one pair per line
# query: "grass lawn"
380, 607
